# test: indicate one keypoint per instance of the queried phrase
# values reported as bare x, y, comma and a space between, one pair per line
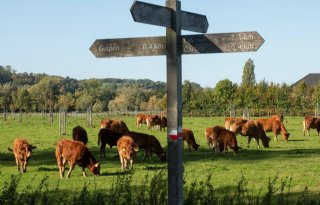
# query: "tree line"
30, 92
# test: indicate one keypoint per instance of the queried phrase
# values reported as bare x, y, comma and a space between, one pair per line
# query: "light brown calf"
127, 151
188, 137
22, 152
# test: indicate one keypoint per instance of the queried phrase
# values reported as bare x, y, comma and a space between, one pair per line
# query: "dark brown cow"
311, 122
127, 151
188, 136
275, 126
75, 153
253, 129
115, 125
221, 139
80, 134
22, 151
154, 120
141, 119
109, 137
148, 142
234, 124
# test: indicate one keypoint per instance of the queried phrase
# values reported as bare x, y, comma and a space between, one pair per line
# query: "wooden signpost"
173, 45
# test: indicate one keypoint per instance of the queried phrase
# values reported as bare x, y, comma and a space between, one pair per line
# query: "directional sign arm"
161, 16
221, 43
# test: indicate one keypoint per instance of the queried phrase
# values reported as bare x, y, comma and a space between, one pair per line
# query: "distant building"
310, 79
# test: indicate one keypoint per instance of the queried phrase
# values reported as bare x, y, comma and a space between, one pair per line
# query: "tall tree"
248, 76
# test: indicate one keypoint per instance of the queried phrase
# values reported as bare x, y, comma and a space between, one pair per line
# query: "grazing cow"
109, 137
141, 119
148, 142
80, 134
188, 136
115, 125
234, 124
221, 139
127, 150
154, 120
311, 122
22, 151
275, 126
278, 117
208, 131
75, 153
253, 129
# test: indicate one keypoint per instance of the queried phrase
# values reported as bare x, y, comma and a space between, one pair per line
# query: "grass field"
298, 159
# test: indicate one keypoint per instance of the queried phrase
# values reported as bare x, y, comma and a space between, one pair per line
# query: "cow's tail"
98, 139
10, 149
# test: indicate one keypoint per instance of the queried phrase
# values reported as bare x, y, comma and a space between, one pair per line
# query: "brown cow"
234, 124
75, 153
188, 136
109, 137
148, 142
278, 117
221, 139
311, 122
115, 125
275, 126
208, 131
22, 151
154, 120
253, 129
127, 150
141, 119
80, 134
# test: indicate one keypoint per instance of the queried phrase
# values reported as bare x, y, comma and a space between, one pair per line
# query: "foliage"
41, 92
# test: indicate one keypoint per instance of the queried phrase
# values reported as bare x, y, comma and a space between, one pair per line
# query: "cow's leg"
189, 146
24, 166
304, 127
257, 140
131, 163
18, 164
249, 140
84, 172
121, 161
71, 164
145, 154
275, 137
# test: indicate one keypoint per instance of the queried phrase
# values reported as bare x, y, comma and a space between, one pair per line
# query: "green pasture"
297, 159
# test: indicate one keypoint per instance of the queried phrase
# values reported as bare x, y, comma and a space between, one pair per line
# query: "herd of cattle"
116, 133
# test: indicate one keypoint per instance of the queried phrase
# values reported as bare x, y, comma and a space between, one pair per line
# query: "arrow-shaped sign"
158, 15
191, 44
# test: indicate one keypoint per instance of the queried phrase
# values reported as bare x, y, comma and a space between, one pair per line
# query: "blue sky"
54, 37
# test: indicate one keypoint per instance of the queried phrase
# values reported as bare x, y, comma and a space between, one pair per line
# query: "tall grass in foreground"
153, 190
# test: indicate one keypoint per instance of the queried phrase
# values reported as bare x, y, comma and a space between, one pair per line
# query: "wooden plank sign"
191, 44
161, 16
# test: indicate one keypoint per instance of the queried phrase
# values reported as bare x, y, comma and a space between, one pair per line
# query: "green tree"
248, 76
224, 94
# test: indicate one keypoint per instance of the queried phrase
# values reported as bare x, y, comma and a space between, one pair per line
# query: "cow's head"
95, 169
286, 136
265, 141
163, 156
195, 146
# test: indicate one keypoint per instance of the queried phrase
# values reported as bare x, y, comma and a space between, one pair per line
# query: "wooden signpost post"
173, 45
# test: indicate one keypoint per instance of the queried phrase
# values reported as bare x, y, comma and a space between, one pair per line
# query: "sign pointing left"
161, 16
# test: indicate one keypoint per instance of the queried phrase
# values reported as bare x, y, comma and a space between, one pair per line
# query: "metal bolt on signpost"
173, 45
